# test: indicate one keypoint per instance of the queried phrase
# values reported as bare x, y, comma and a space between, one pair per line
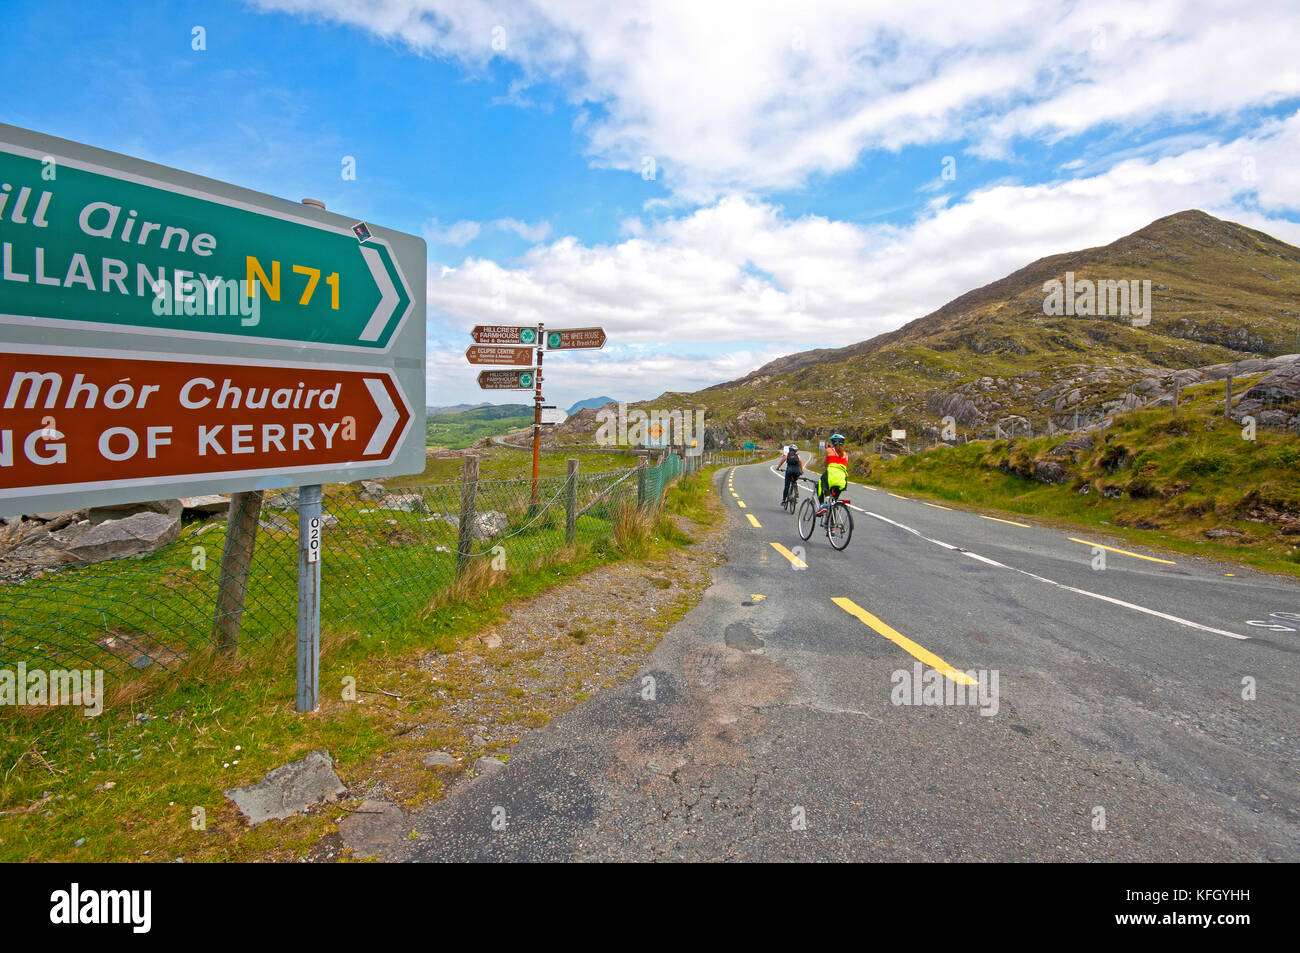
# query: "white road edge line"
1083, 592
1052, 582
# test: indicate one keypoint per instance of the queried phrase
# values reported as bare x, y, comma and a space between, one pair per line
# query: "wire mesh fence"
385, 555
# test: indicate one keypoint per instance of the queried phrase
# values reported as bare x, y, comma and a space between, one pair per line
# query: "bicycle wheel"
839, 530
807, 518
792, 501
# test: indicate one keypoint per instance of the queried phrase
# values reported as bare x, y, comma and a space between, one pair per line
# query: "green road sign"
319, 377
100, 248
749, 445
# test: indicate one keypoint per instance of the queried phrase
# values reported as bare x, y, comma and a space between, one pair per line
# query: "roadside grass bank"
144, 780
1190, 483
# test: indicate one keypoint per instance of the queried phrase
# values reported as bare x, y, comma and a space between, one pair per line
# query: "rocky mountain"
1020, 347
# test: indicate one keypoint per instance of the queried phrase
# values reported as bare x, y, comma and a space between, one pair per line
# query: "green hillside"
1190, 481
1220, 292
458, 431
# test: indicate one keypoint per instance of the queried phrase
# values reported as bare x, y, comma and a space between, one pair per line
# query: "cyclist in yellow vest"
835, 471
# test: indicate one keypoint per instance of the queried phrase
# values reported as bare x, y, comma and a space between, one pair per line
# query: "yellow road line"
741, 504
1125, 552
1008, 522
897, 497
795, 561
936, 505
903, 642
753, 521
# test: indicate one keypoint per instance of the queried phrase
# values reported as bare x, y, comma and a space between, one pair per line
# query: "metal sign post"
309, 533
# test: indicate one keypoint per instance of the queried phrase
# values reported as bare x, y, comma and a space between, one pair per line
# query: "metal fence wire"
386, 553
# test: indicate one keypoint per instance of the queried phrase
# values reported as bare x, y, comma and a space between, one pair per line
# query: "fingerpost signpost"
514, 344
162, 333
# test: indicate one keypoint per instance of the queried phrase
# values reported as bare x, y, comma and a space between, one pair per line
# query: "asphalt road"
772, 722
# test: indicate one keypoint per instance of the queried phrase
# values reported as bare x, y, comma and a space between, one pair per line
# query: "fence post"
642, 470
571, 503
236, 563
309, 527
468, 490
1227, 395
1177, 388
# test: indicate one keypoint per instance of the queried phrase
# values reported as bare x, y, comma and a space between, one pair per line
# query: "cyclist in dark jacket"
793, 467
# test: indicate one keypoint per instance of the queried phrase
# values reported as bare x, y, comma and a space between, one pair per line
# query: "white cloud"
760, 94
458, 235
743, 279
529, 233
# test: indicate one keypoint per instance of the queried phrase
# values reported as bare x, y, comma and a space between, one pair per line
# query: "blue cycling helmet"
837, 438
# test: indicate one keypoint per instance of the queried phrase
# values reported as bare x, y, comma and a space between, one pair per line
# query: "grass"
122, 787
457, 431
1153, 477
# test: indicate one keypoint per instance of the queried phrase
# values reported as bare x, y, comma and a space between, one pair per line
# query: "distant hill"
590, 402
461, 408
1220, 292
457, 431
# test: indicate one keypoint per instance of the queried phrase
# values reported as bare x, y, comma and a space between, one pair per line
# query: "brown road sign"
101, 426
497, 354
505, 334
563, 338
508, 380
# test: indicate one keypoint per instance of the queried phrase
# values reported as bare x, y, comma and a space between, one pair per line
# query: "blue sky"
797, 195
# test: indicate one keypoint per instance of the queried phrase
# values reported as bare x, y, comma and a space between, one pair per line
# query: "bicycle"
837, 521
792, 499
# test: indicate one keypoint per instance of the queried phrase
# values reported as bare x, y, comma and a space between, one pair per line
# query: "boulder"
139, 533
488, 766
1049, 471
120, 511
375, 829
404, 502
1280, 386
289, 789
489, 524
275, 523
959, 407
56, 520
373, 491
282, 499
204, 505
1080, 443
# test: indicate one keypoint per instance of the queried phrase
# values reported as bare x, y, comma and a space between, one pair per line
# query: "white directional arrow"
388, 300
388, 419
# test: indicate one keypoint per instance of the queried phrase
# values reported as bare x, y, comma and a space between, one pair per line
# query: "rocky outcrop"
138, 533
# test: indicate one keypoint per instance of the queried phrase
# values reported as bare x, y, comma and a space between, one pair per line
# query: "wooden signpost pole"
537, 413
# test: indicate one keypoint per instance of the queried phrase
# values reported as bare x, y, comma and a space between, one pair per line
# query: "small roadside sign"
898, 434
499, 354
505, 334
565, 338
749, 445
507, 380
553, 415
